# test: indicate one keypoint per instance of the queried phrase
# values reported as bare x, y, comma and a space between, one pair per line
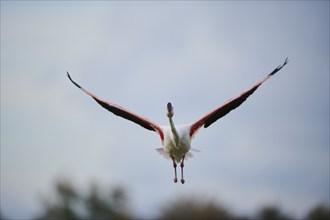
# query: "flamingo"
176, 140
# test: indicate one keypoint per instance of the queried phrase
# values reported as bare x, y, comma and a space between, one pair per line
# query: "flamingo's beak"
169, 107
169, 110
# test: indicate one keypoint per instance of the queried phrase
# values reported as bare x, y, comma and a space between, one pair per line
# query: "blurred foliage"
195, 209
320, 212
71, 204
190, 208
272, 213
1, 217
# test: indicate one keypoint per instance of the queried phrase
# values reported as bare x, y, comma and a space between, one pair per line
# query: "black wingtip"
279, 67
72, 80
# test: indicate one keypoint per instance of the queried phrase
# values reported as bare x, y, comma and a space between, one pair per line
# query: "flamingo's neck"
174, 131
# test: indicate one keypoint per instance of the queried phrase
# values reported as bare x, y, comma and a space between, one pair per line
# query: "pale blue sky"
274, 149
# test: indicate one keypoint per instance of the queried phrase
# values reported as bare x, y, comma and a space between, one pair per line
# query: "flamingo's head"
170, 111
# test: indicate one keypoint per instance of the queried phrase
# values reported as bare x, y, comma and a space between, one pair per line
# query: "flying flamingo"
176, 140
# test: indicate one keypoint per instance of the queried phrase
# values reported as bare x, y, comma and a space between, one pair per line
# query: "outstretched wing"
122, 112
231, 104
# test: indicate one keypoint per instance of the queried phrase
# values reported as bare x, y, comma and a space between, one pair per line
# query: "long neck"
174, 131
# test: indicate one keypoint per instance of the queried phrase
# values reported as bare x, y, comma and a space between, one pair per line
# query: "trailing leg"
182, 165
174, 166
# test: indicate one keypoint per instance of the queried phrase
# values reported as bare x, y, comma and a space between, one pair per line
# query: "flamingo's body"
176, 140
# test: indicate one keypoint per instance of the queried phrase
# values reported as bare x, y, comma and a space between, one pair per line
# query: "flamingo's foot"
175, 180
182, 181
